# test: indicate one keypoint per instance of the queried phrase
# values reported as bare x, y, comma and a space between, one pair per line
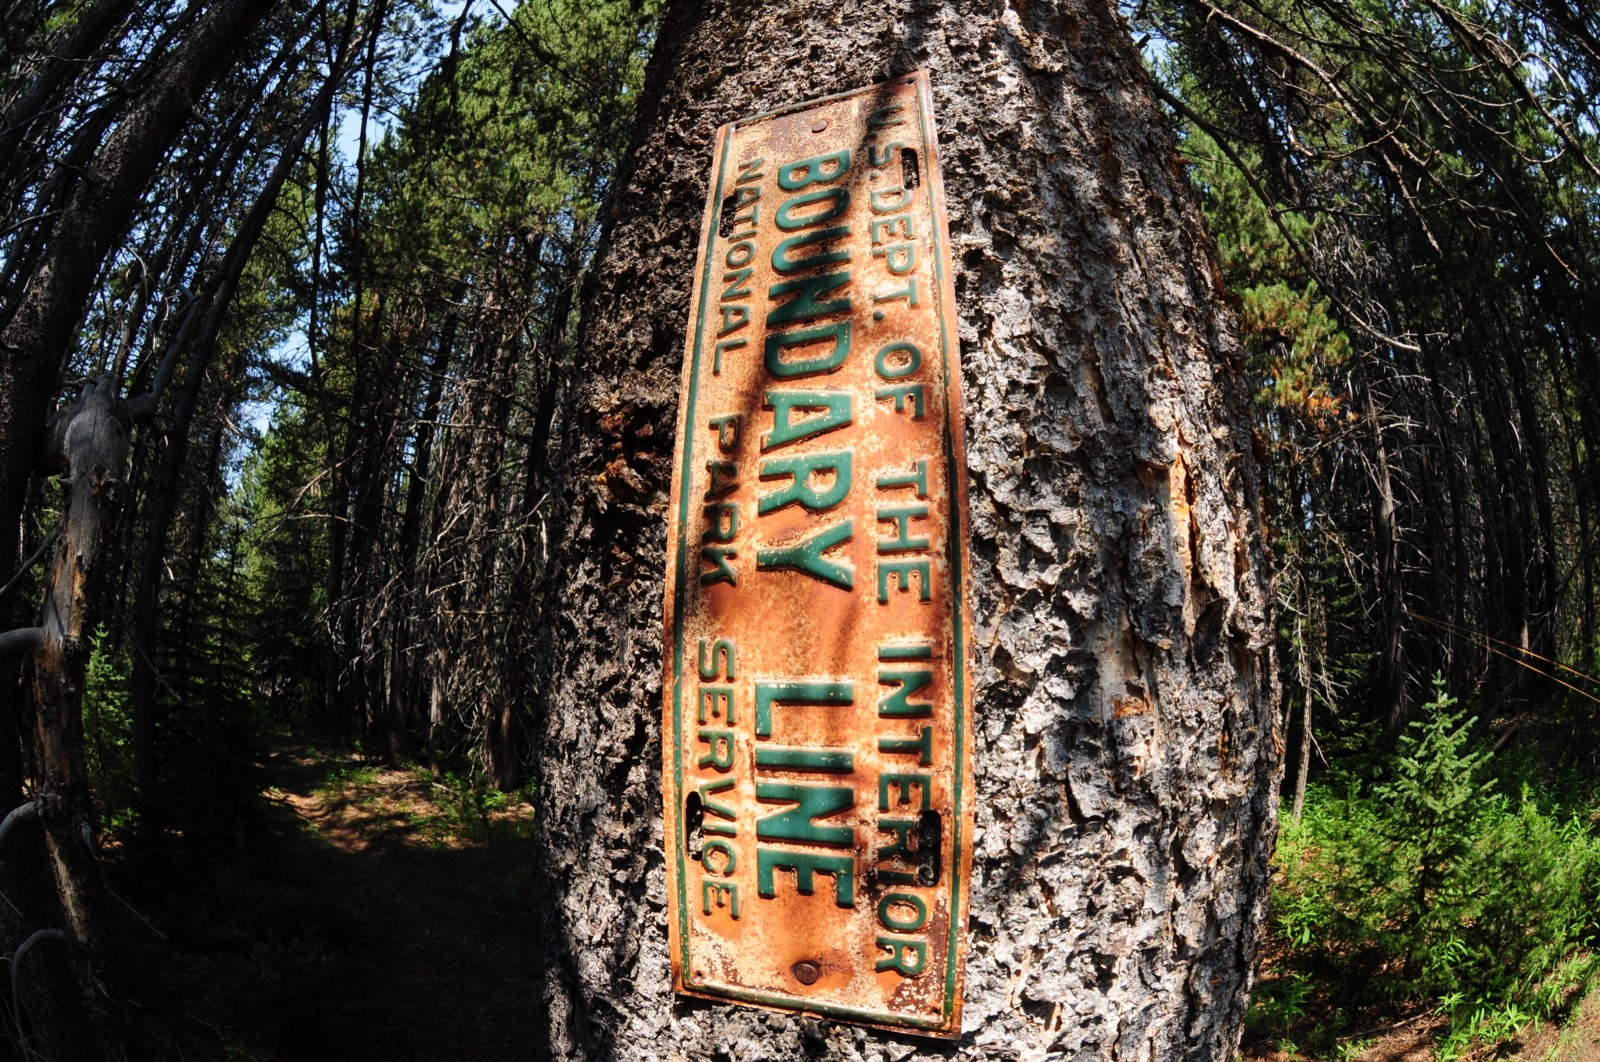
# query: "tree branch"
144, 407
1331, 291
28, 812
11, 584
21, 640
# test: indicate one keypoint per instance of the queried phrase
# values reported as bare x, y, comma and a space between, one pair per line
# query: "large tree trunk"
1126, 734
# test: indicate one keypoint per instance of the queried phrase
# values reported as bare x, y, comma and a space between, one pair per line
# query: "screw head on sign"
819, 125
806, 972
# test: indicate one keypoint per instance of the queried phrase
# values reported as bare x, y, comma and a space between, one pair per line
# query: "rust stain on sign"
817, 783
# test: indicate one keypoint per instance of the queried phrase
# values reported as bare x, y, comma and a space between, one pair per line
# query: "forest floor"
373, 914
360, 912
1575, 1040
1415, 1036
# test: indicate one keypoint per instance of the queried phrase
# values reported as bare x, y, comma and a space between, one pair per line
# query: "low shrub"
1436, 885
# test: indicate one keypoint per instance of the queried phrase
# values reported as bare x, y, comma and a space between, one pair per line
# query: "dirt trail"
447, 937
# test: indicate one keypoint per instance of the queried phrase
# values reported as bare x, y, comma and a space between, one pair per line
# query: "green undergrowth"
1456, 891
439, 807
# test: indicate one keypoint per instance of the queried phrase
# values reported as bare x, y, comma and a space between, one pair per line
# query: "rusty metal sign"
816, 698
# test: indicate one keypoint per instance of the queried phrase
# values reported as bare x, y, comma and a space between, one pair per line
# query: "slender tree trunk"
55, 71
163, 503
335, 691
1389, 685
1302, 766
97, 453
35, 340
402, 691
1127, 734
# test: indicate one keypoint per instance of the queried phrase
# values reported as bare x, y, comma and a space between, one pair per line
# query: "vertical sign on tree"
817, 782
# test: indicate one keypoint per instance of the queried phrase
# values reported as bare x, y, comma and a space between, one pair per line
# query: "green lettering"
908, 958
798, 823
716, 702
833, 466
724, 478
837, 411
880, 156
880, 229
807, 693
901, 516
887, 905
893, 368
904, 782
721, 650
730, 858
909, 293
721, 571
782, 255
726, 894
721, 811
805, 865
734, 317
833, 761
901, 258
807, 557
900, 393
750, 171
727, 429
734, 278
903, 830
881, 205
726, 344
812, 170
888, 114
839, 332
788, 222
904, 569
806, 306
917, 479
720, 754
722, 521
922, 745
897, 704
752, 219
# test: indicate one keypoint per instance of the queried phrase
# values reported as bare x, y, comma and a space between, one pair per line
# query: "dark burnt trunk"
96, 455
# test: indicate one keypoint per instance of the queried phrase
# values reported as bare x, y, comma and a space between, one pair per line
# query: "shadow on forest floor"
361, 913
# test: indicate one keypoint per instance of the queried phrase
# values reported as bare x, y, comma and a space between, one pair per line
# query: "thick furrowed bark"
1127, 737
